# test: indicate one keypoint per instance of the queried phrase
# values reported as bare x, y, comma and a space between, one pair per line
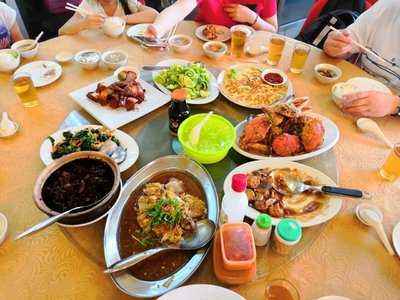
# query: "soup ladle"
202, 236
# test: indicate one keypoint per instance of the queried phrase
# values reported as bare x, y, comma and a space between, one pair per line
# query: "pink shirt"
212, 11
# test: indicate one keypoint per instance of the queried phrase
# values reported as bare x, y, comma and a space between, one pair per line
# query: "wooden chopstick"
365, 49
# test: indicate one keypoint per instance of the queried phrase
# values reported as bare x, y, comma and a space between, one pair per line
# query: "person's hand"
94, 21
151, 32
370, 104
338, 44
240, 13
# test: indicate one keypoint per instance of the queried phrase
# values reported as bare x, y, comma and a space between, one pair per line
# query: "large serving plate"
241, 102
331, 137
124, 280
334, 203
115, 118
127, 142
213, 87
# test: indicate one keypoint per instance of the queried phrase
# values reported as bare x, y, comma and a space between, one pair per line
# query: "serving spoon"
287, 184
367, 125
202, 236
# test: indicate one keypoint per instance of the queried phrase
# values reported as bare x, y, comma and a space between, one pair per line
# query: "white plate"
138, 29
114, 118
220, 81
201, 292
396, 238
331, 137
333, 298
213, 87
225, 33
126, 140
334, 203
37, 69
368, 84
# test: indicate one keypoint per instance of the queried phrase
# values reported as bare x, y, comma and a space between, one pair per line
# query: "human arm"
15, 32
339, 45
78, 23
145, 14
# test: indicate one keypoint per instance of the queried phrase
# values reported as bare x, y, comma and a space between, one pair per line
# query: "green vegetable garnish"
166, 211
233, 74
194, 77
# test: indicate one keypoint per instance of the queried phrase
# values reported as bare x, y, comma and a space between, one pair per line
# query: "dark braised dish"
78, 183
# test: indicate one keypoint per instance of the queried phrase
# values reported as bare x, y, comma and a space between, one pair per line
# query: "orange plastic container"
226, 276
237, 246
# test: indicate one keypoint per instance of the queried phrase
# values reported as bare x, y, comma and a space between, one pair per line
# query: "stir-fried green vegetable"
166, 211
194, 77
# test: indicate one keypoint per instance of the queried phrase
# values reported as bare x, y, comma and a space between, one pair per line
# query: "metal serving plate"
124, 280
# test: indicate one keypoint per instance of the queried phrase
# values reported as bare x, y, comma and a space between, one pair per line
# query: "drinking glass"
391, 168
276, 45
299, 57
25, 89
281, 289
238, 40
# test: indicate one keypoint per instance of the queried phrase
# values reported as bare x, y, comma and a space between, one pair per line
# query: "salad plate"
126, 141
42, 72
213, 91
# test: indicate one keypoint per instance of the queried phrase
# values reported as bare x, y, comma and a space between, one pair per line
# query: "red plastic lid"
239, 182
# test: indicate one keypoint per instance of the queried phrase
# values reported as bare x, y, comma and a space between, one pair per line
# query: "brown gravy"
163, 264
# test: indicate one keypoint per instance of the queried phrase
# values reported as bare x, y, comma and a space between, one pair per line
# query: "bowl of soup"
9, 60
114, 59
180, 42
27, 48
88, 59
214, 49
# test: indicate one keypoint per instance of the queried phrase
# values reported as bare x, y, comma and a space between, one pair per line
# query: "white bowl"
127, 68
114, 26
214, 54
7, 62
28, 54
176, 46
3, 227
324, 79
112, 65
64, 57
88, 65
277, 71
341, 89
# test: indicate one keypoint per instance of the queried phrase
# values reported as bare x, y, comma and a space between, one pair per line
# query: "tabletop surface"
347, 259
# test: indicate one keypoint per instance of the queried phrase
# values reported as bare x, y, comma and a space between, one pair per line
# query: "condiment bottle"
261, 228
178, 110
286, 235
235, 202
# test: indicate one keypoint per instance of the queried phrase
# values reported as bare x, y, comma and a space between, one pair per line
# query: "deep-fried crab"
283, 130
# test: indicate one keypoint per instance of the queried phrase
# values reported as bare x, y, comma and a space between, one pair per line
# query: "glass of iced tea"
238, 40
281, 289
276, 45
25, 89
391, 168
299, 57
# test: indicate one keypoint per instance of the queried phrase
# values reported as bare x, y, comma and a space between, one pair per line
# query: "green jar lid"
289, 230
263, 221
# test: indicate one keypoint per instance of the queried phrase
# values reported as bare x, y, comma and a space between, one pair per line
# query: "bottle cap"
263, 221
239, 182
179, 94
289, 230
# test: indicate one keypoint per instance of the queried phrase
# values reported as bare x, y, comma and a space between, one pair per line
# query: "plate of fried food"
243, 85
88, 138
115, 102
211, 32
310, 208
286, 132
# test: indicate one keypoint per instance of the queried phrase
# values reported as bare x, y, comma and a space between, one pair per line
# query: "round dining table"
346, 259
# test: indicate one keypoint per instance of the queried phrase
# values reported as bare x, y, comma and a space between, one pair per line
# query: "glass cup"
299, 57
238, 40
25, 89
276, 45
391, 168
281, 289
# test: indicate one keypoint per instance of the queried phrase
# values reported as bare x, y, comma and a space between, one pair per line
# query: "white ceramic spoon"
372, 216
194, 136
369, 126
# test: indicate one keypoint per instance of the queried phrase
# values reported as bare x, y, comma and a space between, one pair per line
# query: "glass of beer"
391, 168
238, 40
276, 45
281, 289
25, 89
299, 57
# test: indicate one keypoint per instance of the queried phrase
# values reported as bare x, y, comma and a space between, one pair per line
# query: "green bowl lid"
263, 221
289, 230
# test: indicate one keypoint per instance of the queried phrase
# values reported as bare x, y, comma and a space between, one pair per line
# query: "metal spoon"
111, 149
50, 221
287, 184
202, 236
372, 216
370, 126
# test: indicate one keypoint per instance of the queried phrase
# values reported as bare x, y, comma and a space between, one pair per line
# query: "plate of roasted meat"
310, 207
211, 32
286, 132
116, 102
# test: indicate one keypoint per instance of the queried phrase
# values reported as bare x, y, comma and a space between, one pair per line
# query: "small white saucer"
333, 298
16, 127
396, 238
367, 206
3, 227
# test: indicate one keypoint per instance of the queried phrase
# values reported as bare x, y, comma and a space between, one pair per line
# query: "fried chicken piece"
286, 144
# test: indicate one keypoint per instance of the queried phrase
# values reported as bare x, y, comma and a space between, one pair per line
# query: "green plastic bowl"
216, 138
